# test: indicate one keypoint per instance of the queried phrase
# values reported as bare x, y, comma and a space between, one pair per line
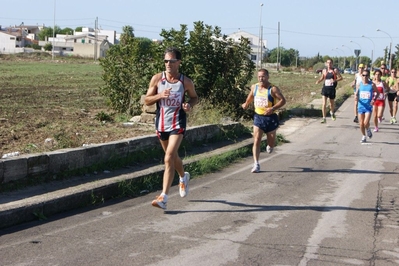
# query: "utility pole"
95, 36
52, 56
278, 47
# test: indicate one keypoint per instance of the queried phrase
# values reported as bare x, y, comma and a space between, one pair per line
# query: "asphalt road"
322, 199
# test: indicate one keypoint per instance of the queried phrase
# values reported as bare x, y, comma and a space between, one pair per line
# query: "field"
49, 104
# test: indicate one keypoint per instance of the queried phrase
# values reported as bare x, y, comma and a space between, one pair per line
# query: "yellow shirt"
263, 99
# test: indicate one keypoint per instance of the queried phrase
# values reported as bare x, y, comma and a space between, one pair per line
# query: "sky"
312, 27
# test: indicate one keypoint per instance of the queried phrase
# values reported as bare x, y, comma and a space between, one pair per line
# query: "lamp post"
357, 53
350, 51
52, 56
390, 47
337, 54
372, 51
343, 54
357, 44
260, 38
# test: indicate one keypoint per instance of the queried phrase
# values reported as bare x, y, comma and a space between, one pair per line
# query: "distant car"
347, 71
353, 72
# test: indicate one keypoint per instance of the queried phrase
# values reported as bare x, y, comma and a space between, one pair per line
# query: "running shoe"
333, 117
375, 129
159, 202
269, 149
391, 121
369, 134
323, 121
394, 120
256, 168
363, 139
183, 186
379, 120
356, 120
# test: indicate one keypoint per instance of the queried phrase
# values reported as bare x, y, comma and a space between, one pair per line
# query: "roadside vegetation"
49, 104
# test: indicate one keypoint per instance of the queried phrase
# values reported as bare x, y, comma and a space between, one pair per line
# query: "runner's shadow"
244, 208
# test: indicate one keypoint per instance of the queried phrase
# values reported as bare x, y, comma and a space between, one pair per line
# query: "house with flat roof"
257, 51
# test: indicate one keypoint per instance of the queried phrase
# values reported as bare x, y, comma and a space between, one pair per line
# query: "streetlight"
52, 56
343, 52
390, 47
350, 51
260, 37
357, 53
372, 51
337, 54
357, 44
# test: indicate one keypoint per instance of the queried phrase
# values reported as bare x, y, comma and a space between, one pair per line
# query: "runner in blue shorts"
267, 99
366, 93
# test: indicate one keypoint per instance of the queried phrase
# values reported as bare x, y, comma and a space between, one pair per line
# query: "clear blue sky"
309, 26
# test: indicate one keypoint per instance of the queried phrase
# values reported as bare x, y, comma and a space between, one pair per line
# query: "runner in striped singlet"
168, 90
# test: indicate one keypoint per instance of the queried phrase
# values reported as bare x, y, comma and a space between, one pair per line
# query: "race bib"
328, 83
365, 95
174, 100
261, 102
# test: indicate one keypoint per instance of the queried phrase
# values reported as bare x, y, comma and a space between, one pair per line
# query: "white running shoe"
183, 186
269, 149
159, 202
256, 168
363, 139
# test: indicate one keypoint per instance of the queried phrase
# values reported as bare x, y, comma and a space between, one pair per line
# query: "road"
322, 199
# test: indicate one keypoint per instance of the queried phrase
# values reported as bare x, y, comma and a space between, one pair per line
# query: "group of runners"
175, 95
371, 92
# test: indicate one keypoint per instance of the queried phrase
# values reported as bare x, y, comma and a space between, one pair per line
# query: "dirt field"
48, 105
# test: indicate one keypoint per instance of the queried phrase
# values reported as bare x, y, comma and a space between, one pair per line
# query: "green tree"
219, 67
127, 70
47, 32
284, 56
48, 47
66, 31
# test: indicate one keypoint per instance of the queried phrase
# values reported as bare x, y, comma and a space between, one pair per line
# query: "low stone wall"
67, 160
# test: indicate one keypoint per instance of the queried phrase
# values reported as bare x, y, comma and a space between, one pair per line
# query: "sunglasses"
365, 75
170, 61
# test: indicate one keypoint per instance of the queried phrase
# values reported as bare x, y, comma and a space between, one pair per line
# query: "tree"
127, 70
66, 31
285, 57
47, 32
219, 67
48, 47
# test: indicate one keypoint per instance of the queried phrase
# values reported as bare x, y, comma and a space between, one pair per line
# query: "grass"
49, 104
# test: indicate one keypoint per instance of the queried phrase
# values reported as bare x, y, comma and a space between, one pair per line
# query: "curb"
41, 206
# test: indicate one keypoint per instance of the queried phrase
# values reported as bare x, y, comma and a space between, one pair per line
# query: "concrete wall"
66, 160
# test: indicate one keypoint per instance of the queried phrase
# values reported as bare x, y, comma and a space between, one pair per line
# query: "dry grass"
59, 101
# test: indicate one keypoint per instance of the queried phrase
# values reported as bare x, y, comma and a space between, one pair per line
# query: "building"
257, 51
87, 43
13, 39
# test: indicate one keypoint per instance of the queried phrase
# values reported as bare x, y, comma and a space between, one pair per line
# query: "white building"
257, 51
13, 39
